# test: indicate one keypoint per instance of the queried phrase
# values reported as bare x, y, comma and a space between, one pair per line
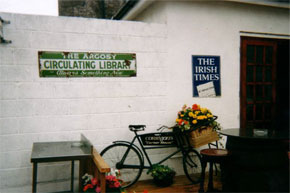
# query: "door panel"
258, 82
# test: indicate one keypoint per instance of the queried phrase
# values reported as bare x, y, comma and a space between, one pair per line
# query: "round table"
259, 161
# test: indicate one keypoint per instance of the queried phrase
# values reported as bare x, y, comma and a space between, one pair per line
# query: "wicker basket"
202, 137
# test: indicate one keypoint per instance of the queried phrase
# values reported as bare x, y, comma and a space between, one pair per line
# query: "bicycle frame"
143, 151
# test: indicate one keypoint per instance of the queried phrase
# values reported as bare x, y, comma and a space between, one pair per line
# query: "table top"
59, 151
255, 133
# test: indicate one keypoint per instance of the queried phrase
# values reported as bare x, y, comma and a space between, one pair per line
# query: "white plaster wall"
154, 13
213, 28
34, 109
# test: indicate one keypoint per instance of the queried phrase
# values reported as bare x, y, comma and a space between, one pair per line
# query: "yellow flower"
209, 115
191, 117
203, 110
201, 117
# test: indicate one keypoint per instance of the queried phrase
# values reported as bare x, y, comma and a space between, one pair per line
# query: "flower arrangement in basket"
91, 184
199, 122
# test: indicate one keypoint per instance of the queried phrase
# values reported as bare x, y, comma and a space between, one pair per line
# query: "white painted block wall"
212, 28
34, 109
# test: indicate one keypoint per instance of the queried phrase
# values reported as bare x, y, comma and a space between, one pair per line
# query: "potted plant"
195, 118
200, 122
91, 184
162, 175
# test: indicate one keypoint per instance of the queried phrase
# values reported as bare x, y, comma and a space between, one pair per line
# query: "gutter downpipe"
131, 9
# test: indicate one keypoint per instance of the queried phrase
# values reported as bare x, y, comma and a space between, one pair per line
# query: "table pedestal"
257, 165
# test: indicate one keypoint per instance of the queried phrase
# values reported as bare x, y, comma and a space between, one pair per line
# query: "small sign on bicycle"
166, 138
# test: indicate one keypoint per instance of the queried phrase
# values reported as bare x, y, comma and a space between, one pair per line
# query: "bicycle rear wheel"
132, 166
192, 166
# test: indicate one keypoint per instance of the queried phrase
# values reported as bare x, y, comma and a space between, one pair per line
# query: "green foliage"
160, 172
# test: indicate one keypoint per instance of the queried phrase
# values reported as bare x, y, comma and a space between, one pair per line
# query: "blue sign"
206, 76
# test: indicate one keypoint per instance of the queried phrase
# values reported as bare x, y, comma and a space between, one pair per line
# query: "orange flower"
180, 121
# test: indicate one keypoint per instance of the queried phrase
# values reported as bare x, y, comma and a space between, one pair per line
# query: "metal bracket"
4, 21
2, 40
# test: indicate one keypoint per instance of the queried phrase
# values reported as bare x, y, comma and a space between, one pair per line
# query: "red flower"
117, 184
195, 107
94, 181
112, 182
110, 178
88, 186
145, 191
98, 189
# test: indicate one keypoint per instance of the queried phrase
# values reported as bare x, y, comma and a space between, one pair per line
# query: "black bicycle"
128, 158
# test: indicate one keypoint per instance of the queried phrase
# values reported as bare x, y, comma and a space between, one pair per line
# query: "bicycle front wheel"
127, 160
192, 166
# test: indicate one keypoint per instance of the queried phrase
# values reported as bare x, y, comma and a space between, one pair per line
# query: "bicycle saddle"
137, 127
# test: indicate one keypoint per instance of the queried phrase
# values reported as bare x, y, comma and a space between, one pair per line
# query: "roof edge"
269, 3
131, 9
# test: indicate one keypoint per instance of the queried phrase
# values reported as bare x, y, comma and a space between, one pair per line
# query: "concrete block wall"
34, 109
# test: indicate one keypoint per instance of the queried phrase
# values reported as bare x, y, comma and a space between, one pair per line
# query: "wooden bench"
95, 166
101, 168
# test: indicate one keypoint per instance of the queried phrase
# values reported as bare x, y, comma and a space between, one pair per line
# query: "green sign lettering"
86, 64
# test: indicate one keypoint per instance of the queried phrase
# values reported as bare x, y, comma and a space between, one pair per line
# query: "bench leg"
103, 182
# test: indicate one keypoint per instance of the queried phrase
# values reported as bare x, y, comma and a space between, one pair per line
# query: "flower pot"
163, 182
113, 190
